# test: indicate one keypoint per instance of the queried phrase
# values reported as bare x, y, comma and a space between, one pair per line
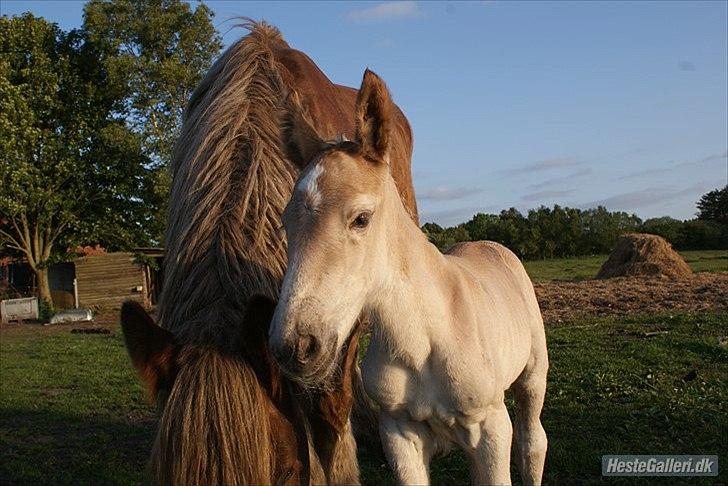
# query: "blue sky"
521, 104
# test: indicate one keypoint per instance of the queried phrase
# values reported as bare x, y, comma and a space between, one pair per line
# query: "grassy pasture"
72, 411
580, 268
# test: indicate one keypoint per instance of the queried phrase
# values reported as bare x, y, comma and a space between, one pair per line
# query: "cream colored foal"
450, 333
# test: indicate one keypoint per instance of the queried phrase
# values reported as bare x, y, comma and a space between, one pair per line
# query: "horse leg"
530, 438
491, 459
408, 446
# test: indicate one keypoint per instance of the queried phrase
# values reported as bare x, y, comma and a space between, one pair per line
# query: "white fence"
18, 309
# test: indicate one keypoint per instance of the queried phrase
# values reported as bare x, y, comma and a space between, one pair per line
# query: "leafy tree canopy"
713, 206
564, 232
70, 172
88, 119
156, 51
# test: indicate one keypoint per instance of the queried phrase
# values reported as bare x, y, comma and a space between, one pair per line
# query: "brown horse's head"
233, 418
218, 423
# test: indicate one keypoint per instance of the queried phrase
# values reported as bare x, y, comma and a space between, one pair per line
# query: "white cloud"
543, 165
672, 165
631, 201
446, 193
546, 195
387, 11
560, 180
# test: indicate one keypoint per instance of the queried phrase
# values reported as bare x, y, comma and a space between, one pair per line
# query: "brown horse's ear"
258, 316
152, 349
333, 407
303, 142
373, 117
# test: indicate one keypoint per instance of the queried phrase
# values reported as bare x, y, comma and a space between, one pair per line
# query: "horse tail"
215, 427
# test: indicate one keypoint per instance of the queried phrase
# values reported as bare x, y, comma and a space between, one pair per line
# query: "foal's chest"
444, 392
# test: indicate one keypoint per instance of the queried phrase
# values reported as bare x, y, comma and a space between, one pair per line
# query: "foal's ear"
152, 349
373, 117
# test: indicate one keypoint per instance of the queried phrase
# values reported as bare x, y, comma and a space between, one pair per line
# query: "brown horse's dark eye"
361, 221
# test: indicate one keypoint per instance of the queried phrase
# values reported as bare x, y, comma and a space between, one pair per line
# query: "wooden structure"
93, 281
108, 280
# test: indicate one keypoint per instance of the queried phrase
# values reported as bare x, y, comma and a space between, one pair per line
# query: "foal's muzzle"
302, 355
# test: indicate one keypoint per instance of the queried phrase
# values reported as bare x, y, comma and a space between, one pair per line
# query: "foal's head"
336, 222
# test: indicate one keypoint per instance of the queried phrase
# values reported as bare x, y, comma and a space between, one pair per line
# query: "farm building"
97, 280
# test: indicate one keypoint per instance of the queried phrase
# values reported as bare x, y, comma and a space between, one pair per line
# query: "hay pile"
646, 255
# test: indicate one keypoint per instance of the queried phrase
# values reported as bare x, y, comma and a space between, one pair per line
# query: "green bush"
45, 310
562, 232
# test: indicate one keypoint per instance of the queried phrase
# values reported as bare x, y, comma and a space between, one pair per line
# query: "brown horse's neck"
231, 180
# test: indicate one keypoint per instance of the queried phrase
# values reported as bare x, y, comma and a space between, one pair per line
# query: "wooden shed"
96, 280
108, 280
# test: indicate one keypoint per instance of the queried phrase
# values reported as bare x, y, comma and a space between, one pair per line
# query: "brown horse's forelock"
231, 181
201, 438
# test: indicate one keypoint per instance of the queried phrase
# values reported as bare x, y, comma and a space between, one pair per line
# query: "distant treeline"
564, 232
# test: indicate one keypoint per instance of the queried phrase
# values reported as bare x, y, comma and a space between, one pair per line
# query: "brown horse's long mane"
232, 180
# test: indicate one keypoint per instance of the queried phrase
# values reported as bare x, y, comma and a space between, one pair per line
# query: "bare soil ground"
562, 301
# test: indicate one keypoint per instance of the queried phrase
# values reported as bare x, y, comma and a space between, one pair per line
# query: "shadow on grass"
42, 447
581, 433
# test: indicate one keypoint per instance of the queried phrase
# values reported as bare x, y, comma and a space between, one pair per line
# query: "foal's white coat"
450, 333
449, 337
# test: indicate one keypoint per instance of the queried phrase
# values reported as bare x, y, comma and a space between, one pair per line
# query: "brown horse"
228, 414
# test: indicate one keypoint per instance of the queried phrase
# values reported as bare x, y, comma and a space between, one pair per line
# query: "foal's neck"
412, 304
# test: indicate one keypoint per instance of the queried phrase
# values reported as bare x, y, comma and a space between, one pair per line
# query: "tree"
698, 234
445, 238
713, 206
665, 226
70, 171
158, 50
480, 227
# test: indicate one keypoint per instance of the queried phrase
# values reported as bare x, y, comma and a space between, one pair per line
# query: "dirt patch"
104, 319
637, 254
562, 301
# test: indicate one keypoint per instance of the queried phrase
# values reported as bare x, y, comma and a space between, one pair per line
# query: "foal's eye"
361, 221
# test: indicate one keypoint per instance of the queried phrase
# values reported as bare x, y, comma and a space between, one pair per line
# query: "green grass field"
71, 409
72, 412
580, 268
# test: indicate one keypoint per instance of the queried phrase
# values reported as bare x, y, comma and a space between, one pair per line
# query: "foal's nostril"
308, 347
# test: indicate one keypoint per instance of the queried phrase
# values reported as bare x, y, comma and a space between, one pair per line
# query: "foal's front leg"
491, 460
408, 446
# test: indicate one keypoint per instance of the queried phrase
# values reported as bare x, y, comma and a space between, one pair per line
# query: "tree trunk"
44, 289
